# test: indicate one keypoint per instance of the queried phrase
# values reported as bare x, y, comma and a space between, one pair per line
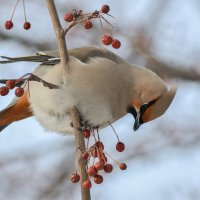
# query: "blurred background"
163, 156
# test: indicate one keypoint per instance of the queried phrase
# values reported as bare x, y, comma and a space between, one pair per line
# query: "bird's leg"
84, 124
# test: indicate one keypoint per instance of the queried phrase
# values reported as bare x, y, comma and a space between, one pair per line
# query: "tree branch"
74, 114
60, 34
80, 143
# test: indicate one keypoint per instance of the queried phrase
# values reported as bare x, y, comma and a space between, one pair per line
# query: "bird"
103, 86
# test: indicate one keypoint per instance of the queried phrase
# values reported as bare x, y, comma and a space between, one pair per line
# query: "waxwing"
102, 85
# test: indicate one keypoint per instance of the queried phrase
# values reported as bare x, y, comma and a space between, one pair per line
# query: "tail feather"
17, 111
35, 58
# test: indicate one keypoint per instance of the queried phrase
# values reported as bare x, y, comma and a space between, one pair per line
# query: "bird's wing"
85, 53
17, 110
53, 57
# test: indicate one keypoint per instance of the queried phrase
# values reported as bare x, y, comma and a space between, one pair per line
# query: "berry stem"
99, 139
24, 8
14, 9
103, 31
29, 94
93, 134
87, 145
110, 15
114, 131
111, 158
107, 21
109, 25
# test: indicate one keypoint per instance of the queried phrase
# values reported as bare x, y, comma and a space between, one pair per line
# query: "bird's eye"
144, 107
132, 110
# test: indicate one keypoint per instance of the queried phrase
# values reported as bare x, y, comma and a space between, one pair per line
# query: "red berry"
107, 39
87, 24
19, 92
10, 84
27, 25
85, 155
100, 164
108, 168
116, 44
75, 178
87, 184
94, 152
86, 133
8, 24
120, 146
99, 145
4, 91
105, 9
92, 171
69, 17
98, 179
122, 166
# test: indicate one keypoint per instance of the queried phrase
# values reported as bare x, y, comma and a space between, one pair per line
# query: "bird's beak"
137, 122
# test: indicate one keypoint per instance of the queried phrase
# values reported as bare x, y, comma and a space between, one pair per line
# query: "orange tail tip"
20, 110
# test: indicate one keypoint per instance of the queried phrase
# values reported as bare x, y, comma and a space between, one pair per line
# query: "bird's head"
151, 104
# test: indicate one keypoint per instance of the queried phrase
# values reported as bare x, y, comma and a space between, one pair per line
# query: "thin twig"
80, 18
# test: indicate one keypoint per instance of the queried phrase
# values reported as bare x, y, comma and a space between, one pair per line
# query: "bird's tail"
18, 110
47, 57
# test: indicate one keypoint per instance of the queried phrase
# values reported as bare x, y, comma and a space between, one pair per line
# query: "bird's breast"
93, 91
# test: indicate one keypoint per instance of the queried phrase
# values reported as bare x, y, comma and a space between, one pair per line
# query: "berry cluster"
11, 84
9, 23
97, 159
74, 17
24, 80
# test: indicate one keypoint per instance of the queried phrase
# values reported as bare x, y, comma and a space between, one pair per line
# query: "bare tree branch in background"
26, 42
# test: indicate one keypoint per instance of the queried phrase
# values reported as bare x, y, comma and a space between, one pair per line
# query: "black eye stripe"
144, 107
132, 110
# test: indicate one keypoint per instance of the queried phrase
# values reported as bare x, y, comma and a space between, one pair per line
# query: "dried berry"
92, 171
75, 178
4, 91
100, 145
27, 25
107, 39
94, 152
87, 184
85, 155
19, 92
87, 24
69, 17
120, 146
116, 44
105, 9
86, 133
122, 166
8, 24
108, 168
10, 84
100, 164
98, 179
